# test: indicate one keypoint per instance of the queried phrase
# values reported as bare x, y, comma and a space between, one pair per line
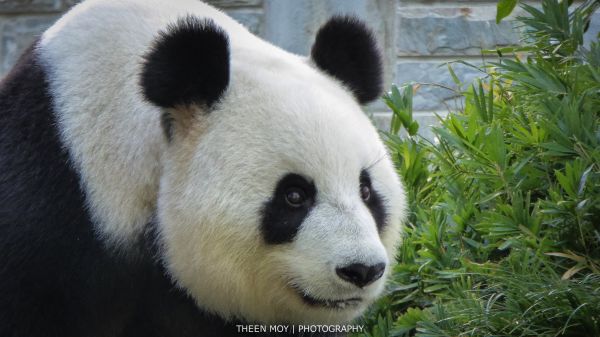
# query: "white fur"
279, 115
93, 56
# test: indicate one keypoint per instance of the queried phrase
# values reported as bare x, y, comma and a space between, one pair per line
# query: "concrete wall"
416, 35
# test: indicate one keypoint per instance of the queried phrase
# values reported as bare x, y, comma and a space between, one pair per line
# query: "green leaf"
434, 288
504, 193
413, 128
504, 8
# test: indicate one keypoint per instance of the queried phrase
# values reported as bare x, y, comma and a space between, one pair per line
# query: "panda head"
277, 201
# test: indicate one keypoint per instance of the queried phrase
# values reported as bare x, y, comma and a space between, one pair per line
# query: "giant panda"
164, 172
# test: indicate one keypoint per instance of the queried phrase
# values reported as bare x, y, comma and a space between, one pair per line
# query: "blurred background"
417, 37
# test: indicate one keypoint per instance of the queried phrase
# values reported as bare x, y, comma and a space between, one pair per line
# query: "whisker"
376, 161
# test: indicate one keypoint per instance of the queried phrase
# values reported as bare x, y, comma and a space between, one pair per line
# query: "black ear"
346, 49
188, 64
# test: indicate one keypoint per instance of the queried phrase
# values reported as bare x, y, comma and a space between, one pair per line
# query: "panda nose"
360, 274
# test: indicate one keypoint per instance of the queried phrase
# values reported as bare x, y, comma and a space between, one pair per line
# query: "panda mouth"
332, 304
329, 304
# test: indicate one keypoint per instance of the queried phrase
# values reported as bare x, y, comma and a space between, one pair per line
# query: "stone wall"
417, 36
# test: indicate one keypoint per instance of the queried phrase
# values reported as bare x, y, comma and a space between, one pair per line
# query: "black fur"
375, 202
57, 279
188, 64
346, 49
281, 221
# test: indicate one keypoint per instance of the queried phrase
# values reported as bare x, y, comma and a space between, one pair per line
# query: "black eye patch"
283, 214
374, 202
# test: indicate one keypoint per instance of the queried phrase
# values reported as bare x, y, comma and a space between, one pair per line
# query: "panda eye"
295, 197
365, 192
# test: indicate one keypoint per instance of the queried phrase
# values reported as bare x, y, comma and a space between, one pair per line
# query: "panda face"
277, 199
280, 204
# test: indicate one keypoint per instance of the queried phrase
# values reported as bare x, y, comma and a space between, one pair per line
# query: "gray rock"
292, 25
431, 76
35, 6
440, 2
451, 31
593, 31
70, 3
381, 120
235, 3
250, 18
19, 33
